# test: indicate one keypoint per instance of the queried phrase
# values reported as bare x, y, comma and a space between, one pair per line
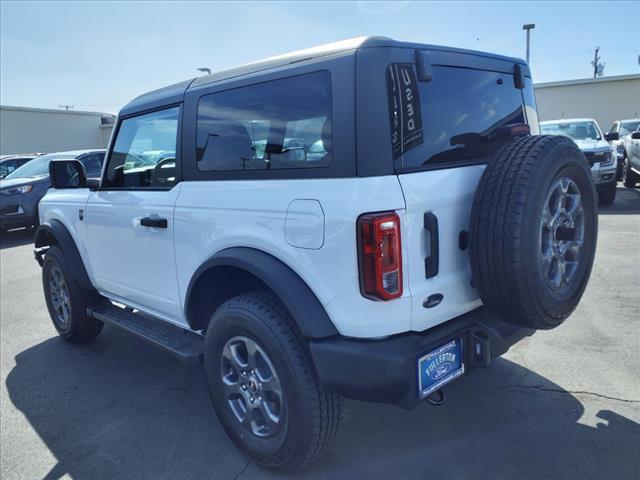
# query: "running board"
184, 344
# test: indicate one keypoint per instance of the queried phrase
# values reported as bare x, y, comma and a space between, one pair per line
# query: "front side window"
627, 128
144, 152
92, 164
281, 124
450, 118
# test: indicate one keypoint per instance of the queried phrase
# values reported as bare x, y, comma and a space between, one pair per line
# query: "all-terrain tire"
76, 325
311, 416
607, 193
507, 233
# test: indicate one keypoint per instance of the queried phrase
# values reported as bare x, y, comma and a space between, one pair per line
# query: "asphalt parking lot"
563, 404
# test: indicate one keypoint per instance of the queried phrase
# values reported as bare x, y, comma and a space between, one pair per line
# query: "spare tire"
533, 231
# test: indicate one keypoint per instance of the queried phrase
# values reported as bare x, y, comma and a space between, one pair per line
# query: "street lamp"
205, 70
528, 27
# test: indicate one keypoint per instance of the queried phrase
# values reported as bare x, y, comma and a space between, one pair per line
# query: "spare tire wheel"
533, 231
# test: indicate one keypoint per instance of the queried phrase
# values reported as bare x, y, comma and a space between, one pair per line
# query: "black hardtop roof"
174, 93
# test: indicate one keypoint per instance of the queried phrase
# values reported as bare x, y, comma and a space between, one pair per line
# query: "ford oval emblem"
442, 370
433, 300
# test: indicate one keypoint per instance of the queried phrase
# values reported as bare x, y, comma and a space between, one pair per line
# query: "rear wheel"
264, 386
67, 302
607, 193
533, 231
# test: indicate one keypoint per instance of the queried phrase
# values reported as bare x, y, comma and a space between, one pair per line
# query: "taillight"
380, 255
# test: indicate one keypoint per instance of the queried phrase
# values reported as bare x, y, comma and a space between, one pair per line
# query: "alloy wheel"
561, 233
251, 386
60, 298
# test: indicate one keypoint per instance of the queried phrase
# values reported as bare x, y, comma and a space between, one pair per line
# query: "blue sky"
97, 56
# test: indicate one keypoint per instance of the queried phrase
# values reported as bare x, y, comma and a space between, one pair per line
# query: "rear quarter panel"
213, 215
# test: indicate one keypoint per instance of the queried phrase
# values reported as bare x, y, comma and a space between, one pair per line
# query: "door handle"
431, 263
154, 222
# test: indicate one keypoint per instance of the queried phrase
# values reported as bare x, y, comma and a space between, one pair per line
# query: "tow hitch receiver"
479, 349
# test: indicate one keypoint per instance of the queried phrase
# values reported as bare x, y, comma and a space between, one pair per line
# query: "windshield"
38, 167
574, 130
627, 128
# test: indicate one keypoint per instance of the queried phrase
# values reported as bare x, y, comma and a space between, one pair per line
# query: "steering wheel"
157, 176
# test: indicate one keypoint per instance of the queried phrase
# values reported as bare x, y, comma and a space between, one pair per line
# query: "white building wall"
606, 99
25, 130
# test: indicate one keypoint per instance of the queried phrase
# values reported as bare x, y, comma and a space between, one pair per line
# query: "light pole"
528, 27
205, 70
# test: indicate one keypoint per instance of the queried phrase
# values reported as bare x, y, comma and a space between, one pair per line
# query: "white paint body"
309, 224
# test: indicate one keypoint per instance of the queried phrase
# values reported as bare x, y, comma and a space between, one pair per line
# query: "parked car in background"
631, 168
8, 163
624, 128
22, 189
588, 136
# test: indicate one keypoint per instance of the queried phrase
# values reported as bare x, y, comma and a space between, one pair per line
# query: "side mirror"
67, 174
609, 137
635, 135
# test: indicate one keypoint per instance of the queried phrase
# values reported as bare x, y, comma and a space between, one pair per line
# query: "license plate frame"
440, 366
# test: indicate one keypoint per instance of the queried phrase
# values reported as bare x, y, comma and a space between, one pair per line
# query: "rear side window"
449, 118
281, 124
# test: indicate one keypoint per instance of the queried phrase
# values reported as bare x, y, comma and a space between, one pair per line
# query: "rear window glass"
281, 124
450, 118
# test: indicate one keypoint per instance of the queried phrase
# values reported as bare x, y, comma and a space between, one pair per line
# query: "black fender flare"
293, 292
56, 233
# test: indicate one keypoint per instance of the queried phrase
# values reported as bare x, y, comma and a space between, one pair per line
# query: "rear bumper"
385, 371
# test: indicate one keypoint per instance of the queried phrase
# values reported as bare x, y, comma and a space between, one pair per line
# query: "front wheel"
67, 301
263, 385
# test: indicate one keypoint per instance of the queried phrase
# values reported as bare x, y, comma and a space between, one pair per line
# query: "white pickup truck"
369, 219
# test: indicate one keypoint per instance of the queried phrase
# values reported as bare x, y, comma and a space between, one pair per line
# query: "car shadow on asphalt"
120, 408
627, 202
16, 238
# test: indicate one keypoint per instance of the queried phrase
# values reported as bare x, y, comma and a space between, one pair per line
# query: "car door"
129, 219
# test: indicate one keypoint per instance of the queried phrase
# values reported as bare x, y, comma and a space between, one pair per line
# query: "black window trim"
107, 157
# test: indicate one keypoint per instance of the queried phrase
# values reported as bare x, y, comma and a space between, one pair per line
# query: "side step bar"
184, 344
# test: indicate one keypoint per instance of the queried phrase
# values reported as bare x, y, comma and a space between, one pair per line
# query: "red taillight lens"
380, 255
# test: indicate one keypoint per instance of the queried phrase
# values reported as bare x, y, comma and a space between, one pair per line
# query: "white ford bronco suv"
369, 219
